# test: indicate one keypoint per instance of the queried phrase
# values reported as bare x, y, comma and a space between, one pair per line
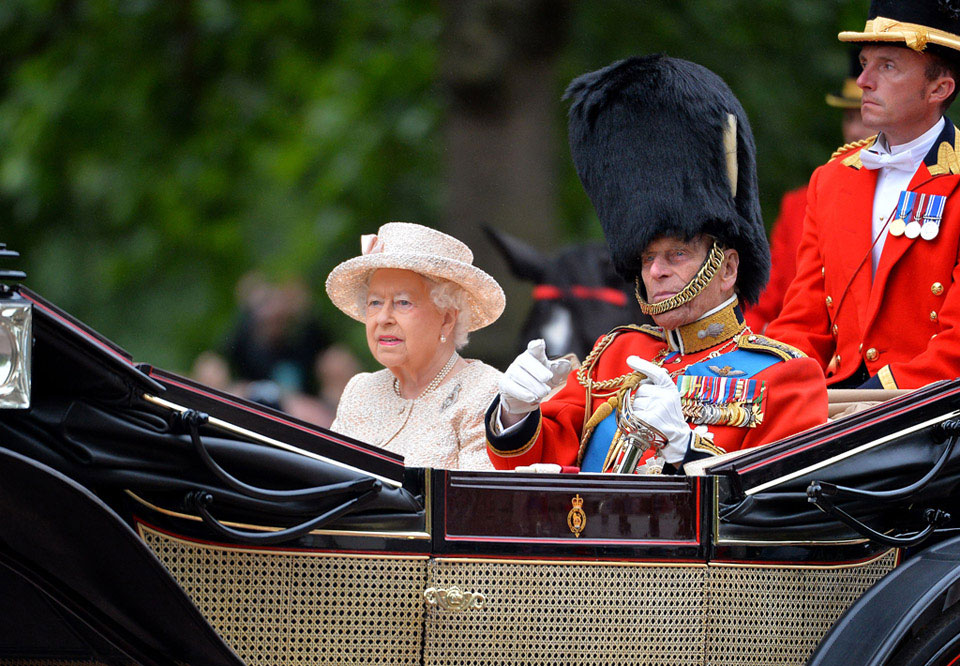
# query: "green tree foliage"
151, 152
154, 151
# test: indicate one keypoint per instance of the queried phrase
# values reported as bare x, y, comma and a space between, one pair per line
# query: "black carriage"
145, 518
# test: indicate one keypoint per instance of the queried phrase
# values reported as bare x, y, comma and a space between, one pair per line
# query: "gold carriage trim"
576, 517
914, 35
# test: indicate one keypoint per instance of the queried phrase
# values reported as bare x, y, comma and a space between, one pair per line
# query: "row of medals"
927, 231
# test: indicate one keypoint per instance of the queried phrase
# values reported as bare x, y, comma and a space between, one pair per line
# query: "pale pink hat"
422, 250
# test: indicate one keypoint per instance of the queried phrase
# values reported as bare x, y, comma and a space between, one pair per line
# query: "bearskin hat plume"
647, 138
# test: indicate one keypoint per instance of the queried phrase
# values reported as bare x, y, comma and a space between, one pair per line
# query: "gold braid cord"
706, 273
583, 372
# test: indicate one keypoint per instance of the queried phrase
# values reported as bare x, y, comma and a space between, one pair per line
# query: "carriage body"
270, 541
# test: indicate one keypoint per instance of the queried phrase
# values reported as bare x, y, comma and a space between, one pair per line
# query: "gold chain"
706, 273
582, 372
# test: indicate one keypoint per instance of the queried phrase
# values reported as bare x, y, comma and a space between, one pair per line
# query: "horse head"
577, 295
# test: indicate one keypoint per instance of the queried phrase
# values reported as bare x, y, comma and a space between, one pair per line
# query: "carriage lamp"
16, 318
16, 324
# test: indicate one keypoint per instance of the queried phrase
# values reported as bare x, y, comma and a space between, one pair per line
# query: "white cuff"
497, 426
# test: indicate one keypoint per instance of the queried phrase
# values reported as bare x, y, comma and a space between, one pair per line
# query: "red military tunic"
784, 241
792, 387
904, 322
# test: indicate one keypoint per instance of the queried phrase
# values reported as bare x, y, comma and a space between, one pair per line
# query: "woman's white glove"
530, 378
657, 401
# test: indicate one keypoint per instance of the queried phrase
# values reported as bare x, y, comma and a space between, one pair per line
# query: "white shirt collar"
924, 142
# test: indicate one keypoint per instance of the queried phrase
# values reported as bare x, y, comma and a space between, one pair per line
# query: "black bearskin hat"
647, 138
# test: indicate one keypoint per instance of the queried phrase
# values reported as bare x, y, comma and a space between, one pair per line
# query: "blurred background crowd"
183, 174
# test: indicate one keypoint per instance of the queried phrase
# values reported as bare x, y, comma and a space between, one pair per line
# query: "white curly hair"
446, 295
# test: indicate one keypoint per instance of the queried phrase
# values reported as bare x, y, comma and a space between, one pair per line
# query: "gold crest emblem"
576, 518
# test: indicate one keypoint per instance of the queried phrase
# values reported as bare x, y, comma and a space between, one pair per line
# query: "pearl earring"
443, 338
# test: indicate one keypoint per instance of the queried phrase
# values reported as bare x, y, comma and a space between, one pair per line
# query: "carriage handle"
822, 489
934, 517
822, 495
201, 499
194, 419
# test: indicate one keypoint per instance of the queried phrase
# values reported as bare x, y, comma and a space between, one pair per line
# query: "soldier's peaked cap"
647, 138
922, 25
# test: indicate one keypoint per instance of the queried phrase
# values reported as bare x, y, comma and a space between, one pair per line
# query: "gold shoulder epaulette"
761, 343
850, 146
650, 329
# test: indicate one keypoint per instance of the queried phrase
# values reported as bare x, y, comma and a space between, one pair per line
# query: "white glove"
539, 468
530, 378
657, 401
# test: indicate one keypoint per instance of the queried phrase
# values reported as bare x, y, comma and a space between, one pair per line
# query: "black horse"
577, 294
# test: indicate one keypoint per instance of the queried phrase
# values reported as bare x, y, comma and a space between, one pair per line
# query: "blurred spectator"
212, 369
334, 368
277, 356
277, 337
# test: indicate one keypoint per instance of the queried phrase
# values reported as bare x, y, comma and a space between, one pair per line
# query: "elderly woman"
419, 294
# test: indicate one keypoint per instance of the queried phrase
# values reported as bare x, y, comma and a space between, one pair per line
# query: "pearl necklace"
444, 371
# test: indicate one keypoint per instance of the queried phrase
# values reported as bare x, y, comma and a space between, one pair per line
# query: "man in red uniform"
664, 151
788, 227
873, 301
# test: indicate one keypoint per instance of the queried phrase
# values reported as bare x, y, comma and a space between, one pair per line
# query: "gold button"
835, 329
872, 354
860, 350
838, 360
936, 288
933, 316
829, 301
823, 271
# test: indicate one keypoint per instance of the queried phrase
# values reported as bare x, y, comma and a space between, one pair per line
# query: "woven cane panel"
569, 614
284, 608
777, 616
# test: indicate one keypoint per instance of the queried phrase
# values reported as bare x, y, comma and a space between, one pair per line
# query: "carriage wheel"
937, 644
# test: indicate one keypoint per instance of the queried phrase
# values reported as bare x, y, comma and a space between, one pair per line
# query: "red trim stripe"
80, 331
549, 292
